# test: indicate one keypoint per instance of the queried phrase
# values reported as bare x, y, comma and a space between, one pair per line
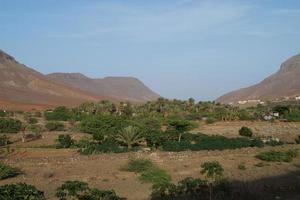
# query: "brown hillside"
123, 88
20, 84
284, 83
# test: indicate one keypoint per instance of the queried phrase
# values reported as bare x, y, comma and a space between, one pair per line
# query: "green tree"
214, 173
180, 126
129, 136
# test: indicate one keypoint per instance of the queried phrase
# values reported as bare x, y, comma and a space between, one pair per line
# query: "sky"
179, 48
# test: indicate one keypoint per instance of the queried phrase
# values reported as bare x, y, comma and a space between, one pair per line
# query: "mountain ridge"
284, 83
22, 85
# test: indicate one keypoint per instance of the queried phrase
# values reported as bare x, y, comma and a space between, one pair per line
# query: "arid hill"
24, 88
123, 88
284, 83
21, 84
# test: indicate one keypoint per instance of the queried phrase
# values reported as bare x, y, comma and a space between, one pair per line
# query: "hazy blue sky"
179, 48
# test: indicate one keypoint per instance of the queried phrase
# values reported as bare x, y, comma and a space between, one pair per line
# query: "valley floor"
48, 168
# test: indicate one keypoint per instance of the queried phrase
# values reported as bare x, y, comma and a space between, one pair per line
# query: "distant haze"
179, 48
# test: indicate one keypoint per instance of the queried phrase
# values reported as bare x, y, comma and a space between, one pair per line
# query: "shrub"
65, 141
96, 194
55, 126
138, 165
105, 147
32, 120
20, 191
210, 120
2, 113
6, 171
242, 166
155, 175
192, 189
4, 140
213, 170
71, 189
35, 129
58, 114
148, 171
278, 156
8, 125
78, 190
204, 142
245, 131
297, 140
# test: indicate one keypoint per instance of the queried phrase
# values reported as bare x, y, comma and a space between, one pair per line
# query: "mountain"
22, 85
123, 88
284, 83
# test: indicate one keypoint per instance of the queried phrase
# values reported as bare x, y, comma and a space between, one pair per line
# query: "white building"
297, 98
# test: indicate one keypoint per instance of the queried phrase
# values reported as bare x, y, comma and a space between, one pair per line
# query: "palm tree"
129, 136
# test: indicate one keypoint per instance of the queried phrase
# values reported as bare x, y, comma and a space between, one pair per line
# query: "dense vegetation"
20, 191
77, 190
55, 126
7, 171
8, 125
278, 156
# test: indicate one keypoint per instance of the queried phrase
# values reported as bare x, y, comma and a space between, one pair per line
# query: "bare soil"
48, 168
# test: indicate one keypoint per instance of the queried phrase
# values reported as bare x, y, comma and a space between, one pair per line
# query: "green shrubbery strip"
7, 171
78, 190
204, 142
278, 156
20, 191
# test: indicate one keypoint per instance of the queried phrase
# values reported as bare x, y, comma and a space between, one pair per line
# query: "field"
48, 168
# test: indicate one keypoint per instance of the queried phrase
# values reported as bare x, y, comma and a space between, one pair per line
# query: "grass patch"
148, 171
7, 171
278, 156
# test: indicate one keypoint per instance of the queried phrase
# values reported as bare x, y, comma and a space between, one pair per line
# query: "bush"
20, 191
35, 129
213, 170
148, 171
2, 113
65, 141
105, 147
210, 120
7, 172
96, 194
191, 189
71, 189
205, 142
138, 165
242, 166
58, 114
278, 156
297, 140
32, 120
78, 190
55, 126
245, 131
4, 140
8, 125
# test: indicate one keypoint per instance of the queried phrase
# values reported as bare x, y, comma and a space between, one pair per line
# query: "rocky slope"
284, 83
123, 88
24, 88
